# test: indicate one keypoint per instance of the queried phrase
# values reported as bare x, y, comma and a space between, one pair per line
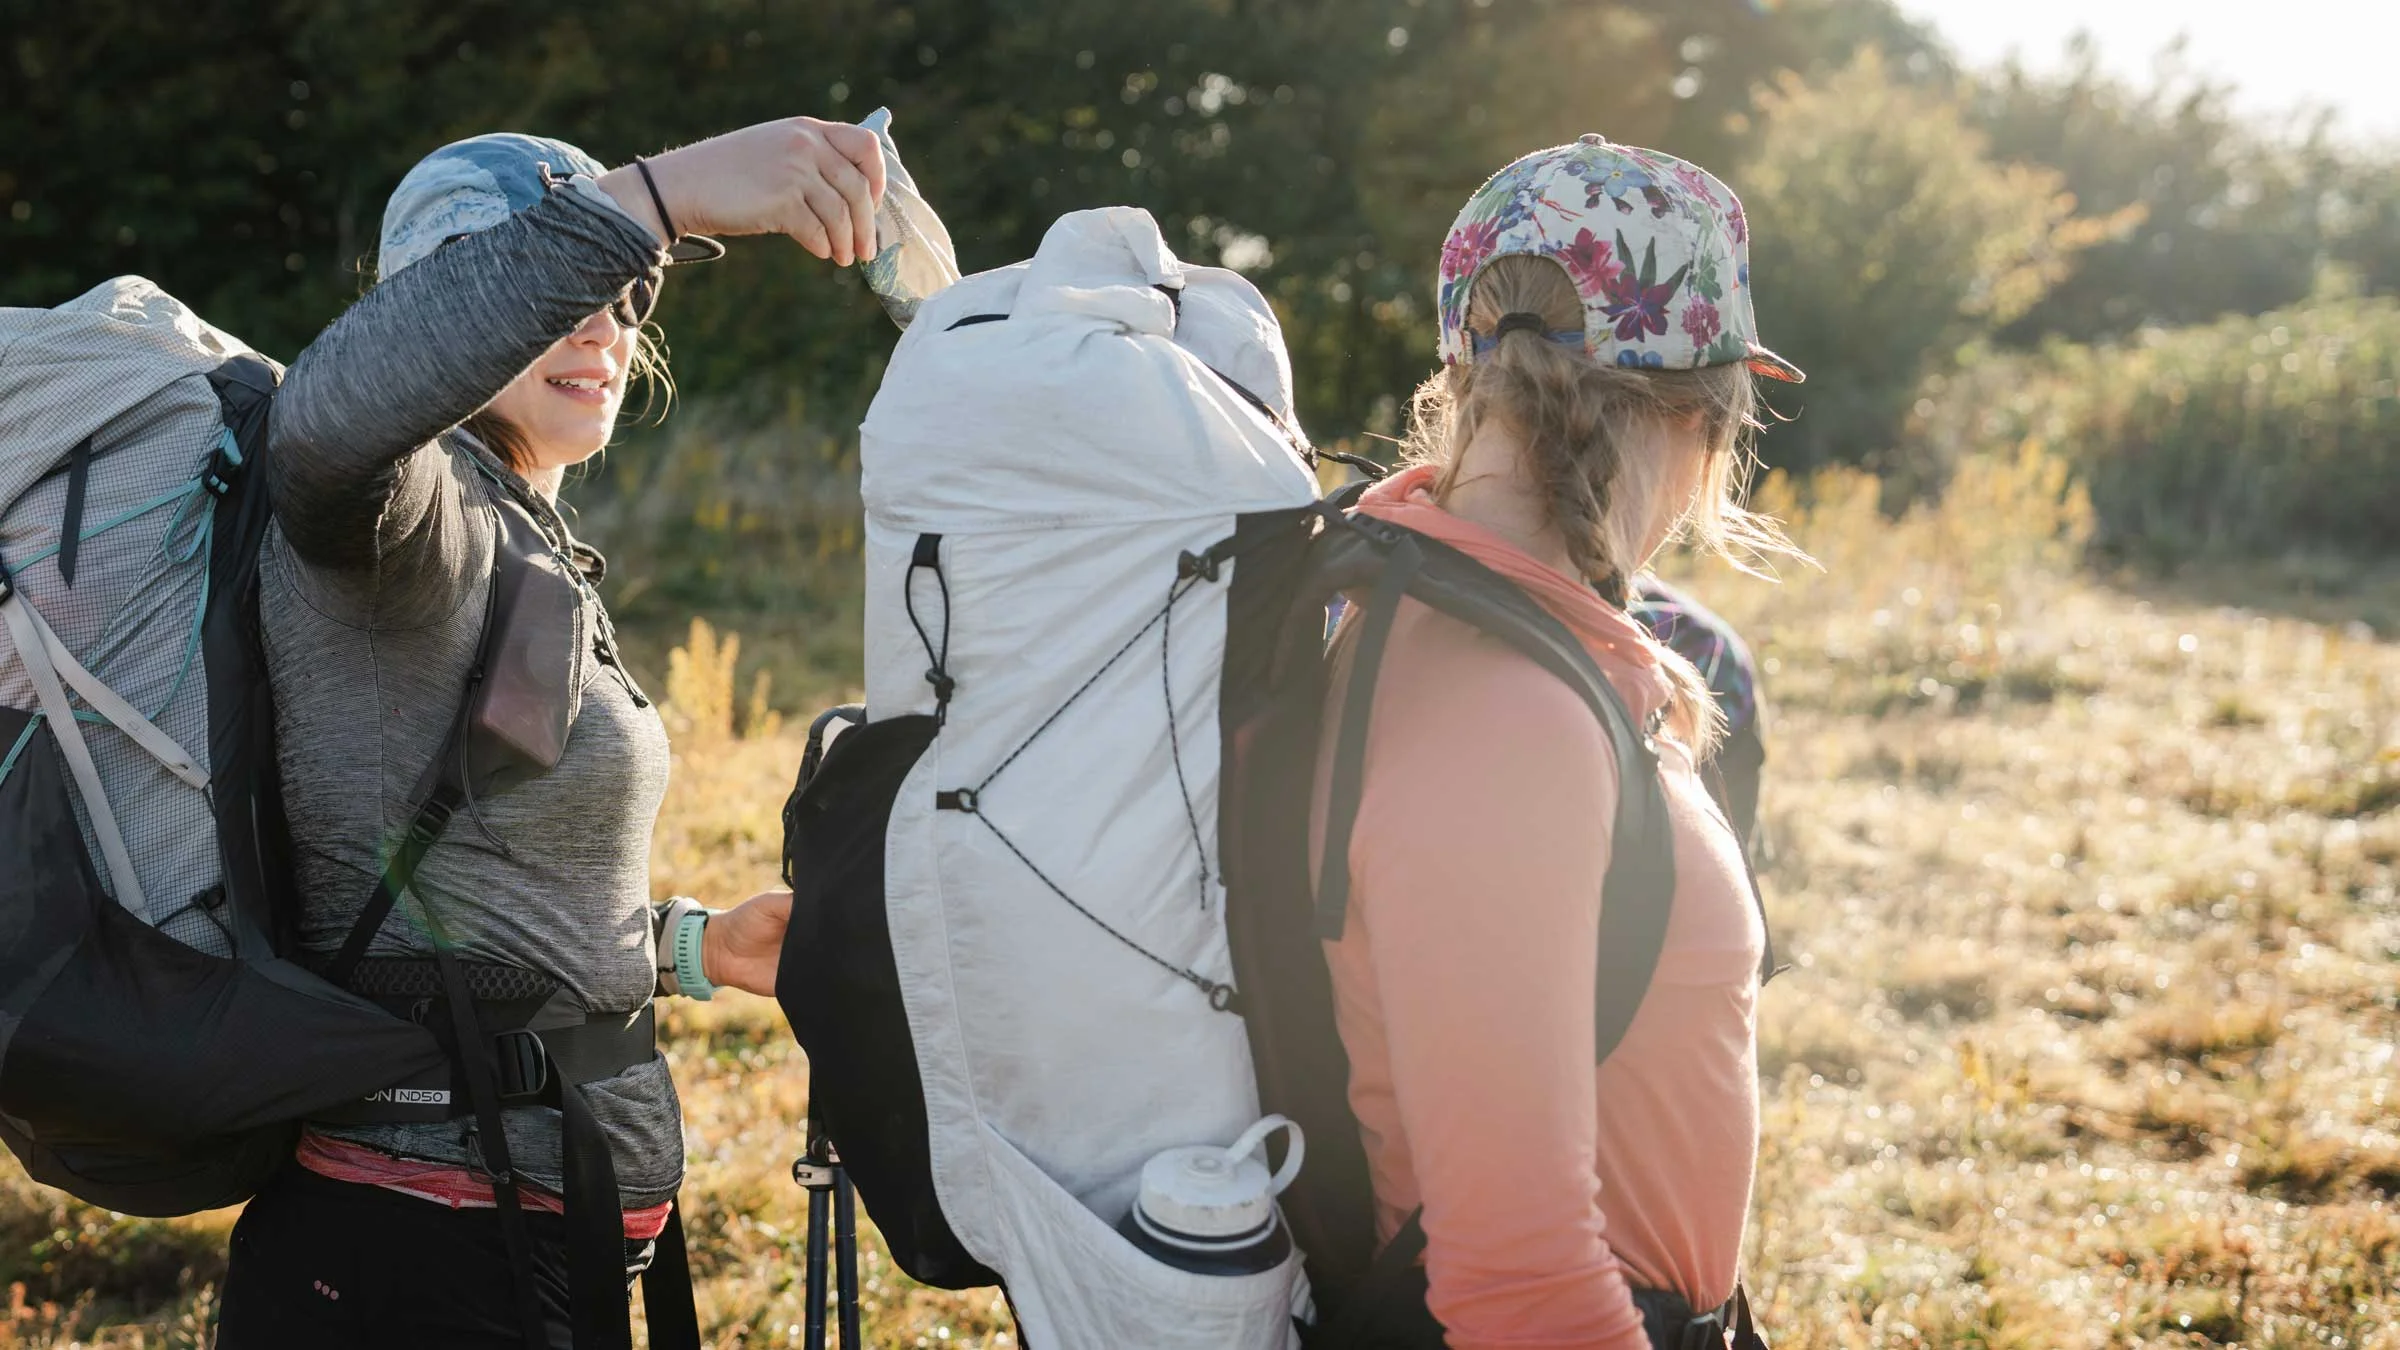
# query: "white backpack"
1057, 448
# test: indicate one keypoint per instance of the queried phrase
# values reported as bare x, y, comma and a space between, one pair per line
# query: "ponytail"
1594, 439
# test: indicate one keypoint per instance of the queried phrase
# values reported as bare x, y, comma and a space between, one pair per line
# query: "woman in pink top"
1598, 342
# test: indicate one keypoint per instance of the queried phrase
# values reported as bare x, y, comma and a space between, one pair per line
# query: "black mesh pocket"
136, 1072
840, 988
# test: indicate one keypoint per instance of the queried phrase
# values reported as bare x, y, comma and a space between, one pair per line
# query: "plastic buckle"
1705, 1332
431, 819
813, 1175
524, 1064
224, 466
1201, 565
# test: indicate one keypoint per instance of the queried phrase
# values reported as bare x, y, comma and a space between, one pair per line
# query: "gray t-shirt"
373, 594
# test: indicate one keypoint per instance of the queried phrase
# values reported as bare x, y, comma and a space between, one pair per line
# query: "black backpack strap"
1388, 1311
474, 1052
70, 524
253, 839
595, 1229
1397, 568
594, 1212
441, 789
1639, 892
667, 1289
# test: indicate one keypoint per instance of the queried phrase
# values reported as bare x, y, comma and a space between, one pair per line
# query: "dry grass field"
2093, 895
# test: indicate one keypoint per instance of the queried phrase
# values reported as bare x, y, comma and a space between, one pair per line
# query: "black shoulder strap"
1388, 1311
440, 790
595, 1233
1358, 552
1399, 566
253, 841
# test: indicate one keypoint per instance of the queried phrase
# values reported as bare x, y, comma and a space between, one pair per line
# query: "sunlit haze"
2333, 53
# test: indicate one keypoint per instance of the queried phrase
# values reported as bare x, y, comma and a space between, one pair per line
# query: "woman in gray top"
493, 353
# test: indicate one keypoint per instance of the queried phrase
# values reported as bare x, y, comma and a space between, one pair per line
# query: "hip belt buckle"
523, 1063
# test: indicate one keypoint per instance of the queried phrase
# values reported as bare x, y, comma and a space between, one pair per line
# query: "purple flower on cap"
1594, 208
1700, 322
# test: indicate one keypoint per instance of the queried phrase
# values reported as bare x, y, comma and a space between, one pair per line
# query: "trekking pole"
845, 1256
832, 1205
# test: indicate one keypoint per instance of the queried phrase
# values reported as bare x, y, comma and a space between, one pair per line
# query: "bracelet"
665, 221
691, 980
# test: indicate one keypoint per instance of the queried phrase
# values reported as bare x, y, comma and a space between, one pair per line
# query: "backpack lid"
67, 372
1100, 400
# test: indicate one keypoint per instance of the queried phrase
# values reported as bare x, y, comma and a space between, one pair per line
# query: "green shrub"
1883, 240
2278, 433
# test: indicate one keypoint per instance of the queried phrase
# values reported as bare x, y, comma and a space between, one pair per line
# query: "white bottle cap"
1203, 1198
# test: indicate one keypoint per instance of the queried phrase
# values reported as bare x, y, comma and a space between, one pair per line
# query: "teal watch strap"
690, 980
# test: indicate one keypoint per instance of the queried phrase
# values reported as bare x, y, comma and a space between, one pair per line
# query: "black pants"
329, 1265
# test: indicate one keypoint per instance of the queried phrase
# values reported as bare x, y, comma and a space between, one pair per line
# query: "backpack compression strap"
54, 670
595, 1228
1639, 893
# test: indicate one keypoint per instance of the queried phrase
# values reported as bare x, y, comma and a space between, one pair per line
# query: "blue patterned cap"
474, 184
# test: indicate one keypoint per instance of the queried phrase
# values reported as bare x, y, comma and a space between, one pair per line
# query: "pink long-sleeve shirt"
1464, 983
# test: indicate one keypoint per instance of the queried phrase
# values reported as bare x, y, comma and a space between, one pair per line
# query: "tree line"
1908, 216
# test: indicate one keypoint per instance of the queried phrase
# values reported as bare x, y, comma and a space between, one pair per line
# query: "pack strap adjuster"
224, 467
522, 1062
431, 819
1204, 565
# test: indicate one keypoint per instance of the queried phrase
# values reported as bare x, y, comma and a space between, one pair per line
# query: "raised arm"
352, 469
431, 345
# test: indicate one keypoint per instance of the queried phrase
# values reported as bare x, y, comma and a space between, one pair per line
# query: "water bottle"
1212, 1210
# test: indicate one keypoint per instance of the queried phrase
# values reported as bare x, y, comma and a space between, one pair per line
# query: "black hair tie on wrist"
666, 221
1513, 321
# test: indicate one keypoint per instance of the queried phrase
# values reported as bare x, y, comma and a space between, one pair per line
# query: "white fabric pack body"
1066, 456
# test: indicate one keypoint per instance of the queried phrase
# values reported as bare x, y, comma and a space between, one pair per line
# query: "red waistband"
443, 1183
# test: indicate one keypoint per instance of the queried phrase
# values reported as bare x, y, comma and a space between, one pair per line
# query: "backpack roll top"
1068, 472
155, 1049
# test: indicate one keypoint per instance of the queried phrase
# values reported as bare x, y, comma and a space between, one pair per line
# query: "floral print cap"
1657, 247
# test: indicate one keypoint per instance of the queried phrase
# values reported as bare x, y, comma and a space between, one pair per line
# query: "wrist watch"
682, 926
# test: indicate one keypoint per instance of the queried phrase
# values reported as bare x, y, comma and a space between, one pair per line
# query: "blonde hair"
1594, 440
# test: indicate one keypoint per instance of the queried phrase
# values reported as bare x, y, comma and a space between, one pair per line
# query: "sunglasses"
632, 306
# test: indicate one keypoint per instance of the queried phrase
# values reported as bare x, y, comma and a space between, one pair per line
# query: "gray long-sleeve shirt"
373, 598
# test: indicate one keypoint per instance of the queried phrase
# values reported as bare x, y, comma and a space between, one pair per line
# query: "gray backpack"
156, 1048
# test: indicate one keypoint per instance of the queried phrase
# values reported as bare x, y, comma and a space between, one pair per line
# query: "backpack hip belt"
1671, 1324
540, 1040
